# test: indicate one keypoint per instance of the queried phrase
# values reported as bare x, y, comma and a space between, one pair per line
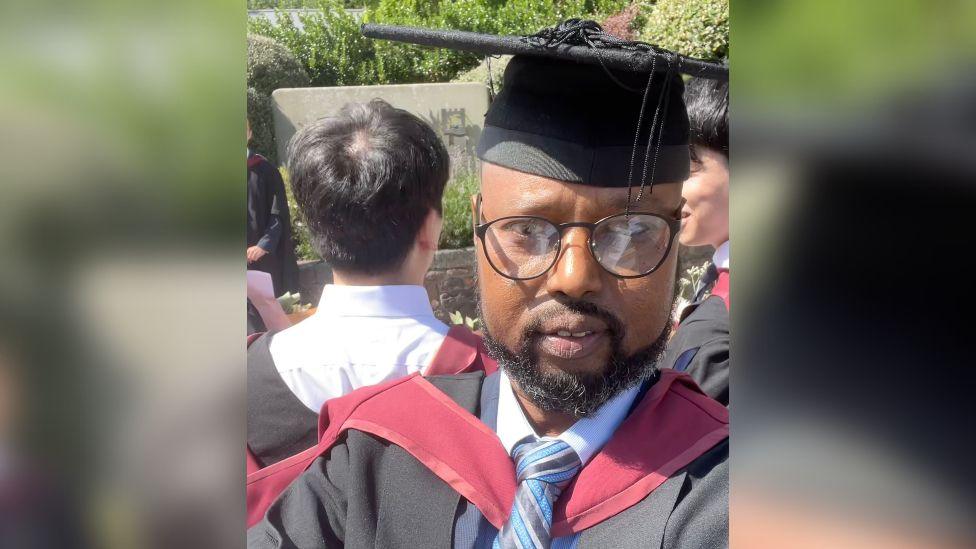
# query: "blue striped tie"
543, 469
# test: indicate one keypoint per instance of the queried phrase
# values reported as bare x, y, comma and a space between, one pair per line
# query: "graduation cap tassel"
640, 122
491, 81
665, 98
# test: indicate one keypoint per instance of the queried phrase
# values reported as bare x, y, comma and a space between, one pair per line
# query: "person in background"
700, 346
269, 243
369, 182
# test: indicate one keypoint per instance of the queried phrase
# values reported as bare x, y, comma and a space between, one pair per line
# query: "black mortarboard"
580, 105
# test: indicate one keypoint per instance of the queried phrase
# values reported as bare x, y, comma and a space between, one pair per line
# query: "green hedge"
269, 66
457, 230
335, 54
699, 28
292, 4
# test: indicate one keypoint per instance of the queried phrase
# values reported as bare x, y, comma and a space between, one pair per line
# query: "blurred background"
121, 286
121, 230
853, 183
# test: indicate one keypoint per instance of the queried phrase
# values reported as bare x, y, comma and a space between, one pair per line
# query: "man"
701, 345
579, 440
369, 182
269, 245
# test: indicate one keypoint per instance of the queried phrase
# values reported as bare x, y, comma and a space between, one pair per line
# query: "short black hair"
364, 181
708, 113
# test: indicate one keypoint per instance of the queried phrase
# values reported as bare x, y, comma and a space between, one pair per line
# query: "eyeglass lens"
526, 247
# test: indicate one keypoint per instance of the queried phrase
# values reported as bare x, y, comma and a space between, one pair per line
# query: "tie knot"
550, 461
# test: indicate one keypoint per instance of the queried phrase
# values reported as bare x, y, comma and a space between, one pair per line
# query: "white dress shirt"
587, 436
721, 256
358, 336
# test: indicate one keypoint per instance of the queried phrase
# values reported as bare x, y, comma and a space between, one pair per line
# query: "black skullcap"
580, 105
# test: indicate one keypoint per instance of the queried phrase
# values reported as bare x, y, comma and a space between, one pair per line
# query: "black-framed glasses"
523, 247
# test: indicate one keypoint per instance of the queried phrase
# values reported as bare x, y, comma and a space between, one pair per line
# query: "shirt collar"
587, 436
382, 301
721, 257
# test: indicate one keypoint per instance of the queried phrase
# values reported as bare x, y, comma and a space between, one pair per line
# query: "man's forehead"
661, 196
530, 191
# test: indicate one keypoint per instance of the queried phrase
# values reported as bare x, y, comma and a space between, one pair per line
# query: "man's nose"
576, 273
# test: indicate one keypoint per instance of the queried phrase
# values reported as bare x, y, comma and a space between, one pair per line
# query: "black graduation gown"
266, 197
367, 492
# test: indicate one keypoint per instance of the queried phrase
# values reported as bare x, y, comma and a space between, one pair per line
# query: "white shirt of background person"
367, 329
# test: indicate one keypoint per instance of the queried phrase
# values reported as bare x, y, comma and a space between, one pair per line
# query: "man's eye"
525, 227
632, 228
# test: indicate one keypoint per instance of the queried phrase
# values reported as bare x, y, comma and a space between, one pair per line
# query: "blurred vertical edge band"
853, 193
121, 286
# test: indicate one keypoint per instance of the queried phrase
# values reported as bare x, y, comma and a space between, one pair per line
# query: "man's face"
705, 215
607, 318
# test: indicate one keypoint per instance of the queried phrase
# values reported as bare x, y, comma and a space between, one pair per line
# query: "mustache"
615, 327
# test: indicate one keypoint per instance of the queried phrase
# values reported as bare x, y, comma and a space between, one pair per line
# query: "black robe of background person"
700, 346
265, 198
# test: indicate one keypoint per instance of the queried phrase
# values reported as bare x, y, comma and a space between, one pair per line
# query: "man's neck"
385, 279
544, 423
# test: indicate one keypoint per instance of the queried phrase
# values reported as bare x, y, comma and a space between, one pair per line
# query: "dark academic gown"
266, 199
416, 463
700, 346
279, 425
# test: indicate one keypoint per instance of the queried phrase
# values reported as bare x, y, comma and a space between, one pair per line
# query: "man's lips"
572, 337
572, 346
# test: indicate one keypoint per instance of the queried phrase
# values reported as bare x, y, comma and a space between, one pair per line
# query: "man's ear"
430, 232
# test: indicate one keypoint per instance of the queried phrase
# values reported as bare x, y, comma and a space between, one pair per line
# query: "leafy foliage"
458, 318
300, 234
699, 28
457, 231
269, 66
292, 4
334, 53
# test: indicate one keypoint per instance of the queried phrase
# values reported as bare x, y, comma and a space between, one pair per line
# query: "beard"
579, 394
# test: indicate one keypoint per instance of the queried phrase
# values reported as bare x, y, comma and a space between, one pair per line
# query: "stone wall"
452, 282
455, 110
